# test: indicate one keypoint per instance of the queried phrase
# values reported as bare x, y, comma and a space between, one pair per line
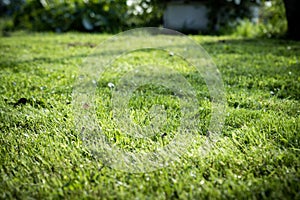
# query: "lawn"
43, 154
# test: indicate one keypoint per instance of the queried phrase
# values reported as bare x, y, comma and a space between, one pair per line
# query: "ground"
43, 154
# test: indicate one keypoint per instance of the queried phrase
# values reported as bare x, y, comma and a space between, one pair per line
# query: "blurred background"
247, 18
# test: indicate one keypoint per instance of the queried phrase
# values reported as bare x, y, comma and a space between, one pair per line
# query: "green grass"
43, 156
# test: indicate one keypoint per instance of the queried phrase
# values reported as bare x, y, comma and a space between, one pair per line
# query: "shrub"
105, 16
272, 22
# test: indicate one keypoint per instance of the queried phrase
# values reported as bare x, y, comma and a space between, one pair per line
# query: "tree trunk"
292, 9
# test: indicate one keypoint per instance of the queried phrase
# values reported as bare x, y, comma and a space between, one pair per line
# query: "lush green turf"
42, 156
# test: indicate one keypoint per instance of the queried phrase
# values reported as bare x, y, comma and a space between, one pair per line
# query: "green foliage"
61, 16
93, 15
9, 7
117, 15
273, 19
246, 28
145, 12
224, 14
272, 22
6, 24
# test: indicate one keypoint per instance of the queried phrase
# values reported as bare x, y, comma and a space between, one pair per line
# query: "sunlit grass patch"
43, 156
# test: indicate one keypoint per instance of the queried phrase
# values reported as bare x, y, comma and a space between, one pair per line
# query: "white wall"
180, 16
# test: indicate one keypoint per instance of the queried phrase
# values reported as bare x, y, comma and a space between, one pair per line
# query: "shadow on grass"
263, 64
